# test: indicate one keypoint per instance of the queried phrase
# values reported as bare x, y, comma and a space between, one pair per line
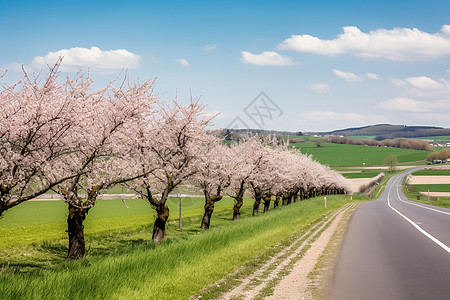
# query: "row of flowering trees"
65, 137
264, 169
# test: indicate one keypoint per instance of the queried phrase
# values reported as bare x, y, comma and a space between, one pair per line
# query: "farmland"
432, 187
362, 174
355, 155
432, 173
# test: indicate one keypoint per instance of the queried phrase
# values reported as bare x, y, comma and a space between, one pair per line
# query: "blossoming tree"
166, 152
35, 118
101, 134
212, 175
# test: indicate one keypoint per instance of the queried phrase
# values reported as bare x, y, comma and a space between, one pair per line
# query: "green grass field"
440, 138
121, 263
354, 155
432, 187
432, 173
357, 137
364, 174
34, 221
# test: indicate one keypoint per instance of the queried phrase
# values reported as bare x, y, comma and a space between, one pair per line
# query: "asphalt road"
394, 249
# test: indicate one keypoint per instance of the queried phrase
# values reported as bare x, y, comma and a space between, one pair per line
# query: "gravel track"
284, 275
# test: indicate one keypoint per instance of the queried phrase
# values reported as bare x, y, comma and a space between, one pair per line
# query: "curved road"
394, 249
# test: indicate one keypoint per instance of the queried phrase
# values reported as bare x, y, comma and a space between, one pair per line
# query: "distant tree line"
387, 131
414, 133
442, 154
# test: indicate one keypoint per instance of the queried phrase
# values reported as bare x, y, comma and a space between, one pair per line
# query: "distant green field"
367, 174
432, 173
355, 155
432, 187
357, 137
436, 138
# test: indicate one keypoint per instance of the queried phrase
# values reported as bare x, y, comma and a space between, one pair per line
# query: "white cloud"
183, 62
432, 117
448, 71
320, 87
423, 82
269, 58
349, 76
445, 29
424, 87
210, 47
402, 44
372, 76
399, 82
404, 104
94, 57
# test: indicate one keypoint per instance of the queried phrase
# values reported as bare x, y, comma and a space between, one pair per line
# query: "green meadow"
356, 155
432, 173
121, 262
362, 174
438, 139
432, 187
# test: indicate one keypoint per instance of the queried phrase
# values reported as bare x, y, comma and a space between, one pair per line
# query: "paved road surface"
394, 249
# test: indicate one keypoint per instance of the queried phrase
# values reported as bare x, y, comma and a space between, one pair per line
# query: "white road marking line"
438, 242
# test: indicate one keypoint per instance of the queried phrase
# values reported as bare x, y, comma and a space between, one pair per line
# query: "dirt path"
293, 285
284, 276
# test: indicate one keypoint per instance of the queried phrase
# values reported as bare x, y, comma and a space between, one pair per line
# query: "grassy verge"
380, 188
413, 194
122, 264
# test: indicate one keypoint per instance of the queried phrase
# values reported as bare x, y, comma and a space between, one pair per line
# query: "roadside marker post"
179, 198
325, 201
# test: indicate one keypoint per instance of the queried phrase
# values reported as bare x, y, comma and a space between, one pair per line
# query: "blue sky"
323, 65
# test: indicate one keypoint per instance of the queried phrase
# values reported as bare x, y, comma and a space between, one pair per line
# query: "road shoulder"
320, 280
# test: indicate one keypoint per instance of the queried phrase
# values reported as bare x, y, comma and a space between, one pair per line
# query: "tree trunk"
258, 196
256, 206
237, 207
276, 202
267, 203
209, 209
159, 228
75, 229
289, 199
2, 208
295, 195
